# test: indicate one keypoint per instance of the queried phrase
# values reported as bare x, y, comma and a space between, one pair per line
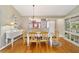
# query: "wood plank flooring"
19, 47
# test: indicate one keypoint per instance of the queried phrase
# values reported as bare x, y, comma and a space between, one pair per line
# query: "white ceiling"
44, 10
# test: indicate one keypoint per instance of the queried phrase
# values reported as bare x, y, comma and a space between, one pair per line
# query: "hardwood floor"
19, 47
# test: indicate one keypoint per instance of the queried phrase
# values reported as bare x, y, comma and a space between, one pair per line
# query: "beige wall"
24, 23
6, 14
60, 26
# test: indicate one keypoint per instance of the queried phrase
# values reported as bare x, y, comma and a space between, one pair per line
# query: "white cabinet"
72, 29
8, 35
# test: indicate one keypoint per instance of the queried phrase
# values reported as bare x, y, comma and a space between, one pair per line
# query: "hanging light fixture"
33, 18
33, 11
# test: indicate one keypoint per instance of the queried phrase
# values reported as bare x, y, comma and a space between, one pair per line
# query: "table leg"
36, 46
28, 44
12, 42
51, 41
47, 46
6, 41
24, 39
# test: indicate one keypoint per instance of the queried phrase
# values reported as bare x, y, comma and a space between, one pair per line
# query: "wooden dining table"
38, 35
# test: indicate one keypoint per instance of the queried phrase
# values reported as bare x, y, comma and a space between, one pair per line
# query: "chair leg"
29, 48
36, 46
23, 38
12, 43
47, 46
40, 46
50, 49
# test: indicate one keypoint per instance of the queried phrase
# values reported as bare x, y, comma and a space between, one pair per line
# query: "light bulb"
12, 23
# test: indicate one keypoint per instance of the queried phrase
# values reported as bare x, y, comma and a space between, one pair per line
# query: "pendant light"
33, 11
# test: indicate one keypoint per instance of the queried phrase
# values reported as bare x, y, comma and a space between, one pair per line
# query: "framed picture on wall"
36, 24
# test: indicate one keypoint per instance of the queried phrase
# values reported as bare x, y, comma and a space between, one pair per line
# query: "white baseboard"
71, 42
61, 36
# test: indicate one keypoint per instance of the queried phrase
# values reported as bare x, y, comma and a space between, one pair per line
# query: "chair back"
44, 34
32, 35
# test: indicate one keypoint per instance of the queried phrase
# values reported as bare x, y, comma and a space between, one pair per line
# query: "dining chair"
56, 35
44, 38
33, 38
55, 39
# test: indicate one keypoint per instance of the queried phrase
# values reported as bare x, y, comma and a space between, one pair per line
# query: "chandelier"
33, 11
33, 18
